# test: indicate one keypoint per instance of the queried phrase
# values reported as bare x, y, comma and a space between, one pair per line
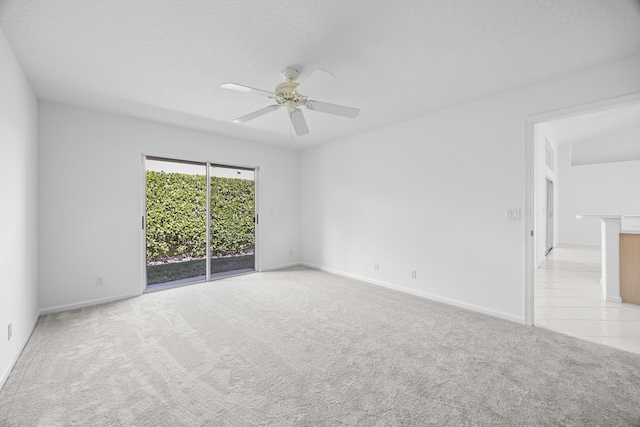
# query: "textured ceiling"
165, 59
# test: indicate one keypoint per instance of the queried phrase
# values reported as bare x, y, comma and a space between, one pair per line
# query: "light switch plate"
512, 214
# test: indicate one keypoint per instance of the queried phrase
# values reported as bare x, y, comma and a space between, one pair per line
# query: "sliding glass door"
199, 221
176, 222
232, 226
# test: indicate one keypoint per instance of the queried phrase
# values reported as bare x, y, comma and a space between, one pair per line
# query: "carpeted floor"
304, 347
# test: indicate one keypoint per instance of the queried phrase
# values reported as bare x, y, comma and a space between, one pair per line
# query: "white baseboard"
426, 295
614, 299
281, 266
89, 303
21, 346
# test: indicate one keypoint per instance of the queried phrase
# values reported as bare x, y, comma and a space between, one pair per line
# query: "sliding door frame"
208, 165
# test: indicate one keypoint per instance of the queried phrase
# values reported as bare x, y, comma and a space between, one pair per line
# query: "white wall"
429, 194
18, 223
603, 188
542, 172
90, 203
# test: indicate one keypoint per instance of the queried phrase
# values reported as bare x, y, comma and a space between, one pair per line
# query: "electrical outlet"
99, 281
376, 266
414, 274
9, 331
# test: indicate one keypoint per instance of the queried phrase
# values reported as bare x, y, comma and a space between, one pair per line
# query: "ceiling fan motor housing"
286, 95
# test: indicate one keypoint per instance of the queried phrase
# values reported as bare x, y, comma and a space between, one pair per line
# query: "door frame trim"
529, 193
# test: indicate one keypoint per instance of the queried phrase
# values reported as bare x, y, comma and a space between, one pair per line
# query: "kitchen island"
612, 226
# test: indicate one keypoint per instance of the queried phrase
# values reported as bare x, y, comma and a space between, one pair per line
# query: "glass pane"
176, 228
232, 221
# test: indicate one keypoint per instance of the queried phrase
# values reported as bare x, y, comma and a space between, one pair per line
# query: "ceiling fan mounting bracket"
290, 74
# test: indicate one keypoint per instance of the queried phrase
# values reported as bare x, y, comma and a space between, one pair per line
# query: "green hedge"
176, 216
232, 216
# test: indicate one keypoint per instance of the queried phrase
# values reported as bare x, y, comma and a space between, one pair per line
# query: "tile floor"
568, 299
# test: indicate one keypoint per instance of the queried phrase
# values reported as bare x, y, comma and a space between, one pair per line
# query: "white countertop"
611, 216
631, 220
601, 216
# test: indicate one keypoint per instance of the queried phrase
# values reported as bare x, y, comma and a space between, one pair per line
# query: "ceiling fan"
290, 94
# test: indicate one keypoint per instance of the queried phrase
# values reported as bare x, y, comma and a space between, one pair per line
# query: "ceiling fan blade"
255, 114
338, 110
247, 89
317, 80
298, 121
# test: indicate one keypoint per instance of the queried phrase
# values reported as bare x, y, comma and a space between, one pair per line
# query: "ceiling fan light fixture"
291, 105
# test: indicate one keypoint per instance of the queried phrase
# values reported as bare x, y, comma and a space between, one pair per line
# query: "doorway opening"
199, 222
572, 162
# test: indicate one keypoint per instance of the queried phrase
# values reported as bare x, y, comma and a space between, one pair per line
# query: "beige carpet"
301, 347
